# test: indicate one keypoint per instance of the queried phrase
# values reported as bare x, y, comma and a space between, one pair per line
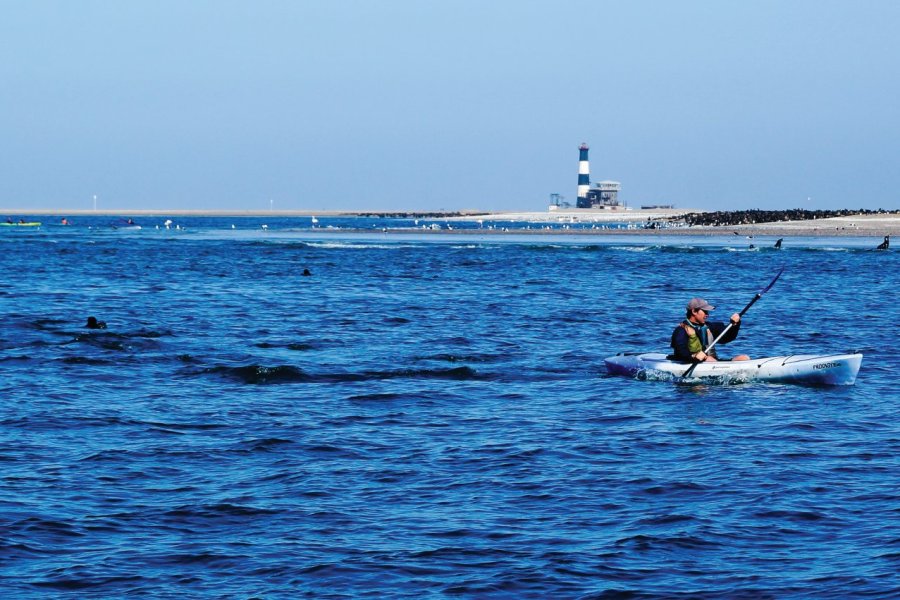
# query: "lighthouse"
603, 195
584, 177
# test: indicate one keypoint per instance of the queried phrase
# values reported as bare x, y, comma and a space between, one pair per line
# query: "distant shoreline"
681, 231
196, 213
871, 225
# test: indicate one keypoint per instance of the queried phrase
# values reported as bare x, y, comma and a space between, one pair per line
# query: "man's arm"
717, 329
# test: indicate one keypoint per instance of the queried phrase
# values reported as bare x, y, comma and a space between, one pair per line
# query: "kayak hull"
803, 369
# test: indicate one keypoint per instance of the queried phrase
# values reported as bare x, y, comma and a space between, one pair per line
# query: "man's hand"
704, 357
735, 318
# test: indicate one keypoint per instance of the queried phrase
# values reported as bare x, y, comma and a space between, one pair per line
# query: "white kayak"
806, 369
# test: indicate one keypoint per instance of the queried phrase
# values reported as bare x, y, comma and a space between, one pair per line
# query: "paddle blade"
771, 283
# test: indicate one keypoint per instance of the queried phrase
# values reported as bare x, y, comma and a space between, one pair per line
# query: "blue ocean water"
429, 416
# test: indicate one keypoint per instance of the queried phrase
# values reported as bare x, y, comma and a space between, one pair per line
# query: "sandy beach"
582, 221
858, 225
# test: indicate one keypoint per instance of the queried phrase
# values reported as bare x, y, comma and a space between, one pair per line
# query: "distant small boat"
22, 224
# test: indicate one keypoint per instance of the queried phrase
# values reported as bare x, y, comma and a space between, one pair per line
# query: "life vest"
705, 336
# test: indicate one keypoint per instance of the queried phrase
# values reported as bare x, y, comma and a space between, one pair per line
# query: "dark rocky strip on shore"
752, 217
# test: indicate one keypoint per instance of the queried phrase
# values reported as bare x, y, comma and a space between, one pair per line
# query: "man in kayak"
694, 335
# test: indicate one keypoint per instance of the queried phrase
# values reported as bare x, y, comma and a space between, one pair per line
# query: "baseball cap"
696, 303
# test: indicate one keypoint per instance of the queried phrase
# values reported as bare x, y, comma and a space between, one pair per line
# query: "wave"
473, 357
385, 397
831, 249
634, 248
644, 543
106, 341
48, 324
258, 374
279, 242
264, 445
88, 581
798, 516
261, 375
296, 346
85, 360
221, 510
19, 358
666, 519
362, 245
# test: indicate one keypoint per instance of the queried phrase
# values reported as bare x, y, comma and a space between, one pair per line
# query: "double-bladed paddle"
758, 295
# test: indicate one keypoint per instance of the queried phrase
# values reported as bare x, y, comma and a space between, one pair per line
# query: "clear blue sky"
419, 104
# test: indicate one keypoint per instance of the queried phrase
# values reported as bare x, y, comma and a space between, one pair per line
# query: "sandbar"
574, 221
